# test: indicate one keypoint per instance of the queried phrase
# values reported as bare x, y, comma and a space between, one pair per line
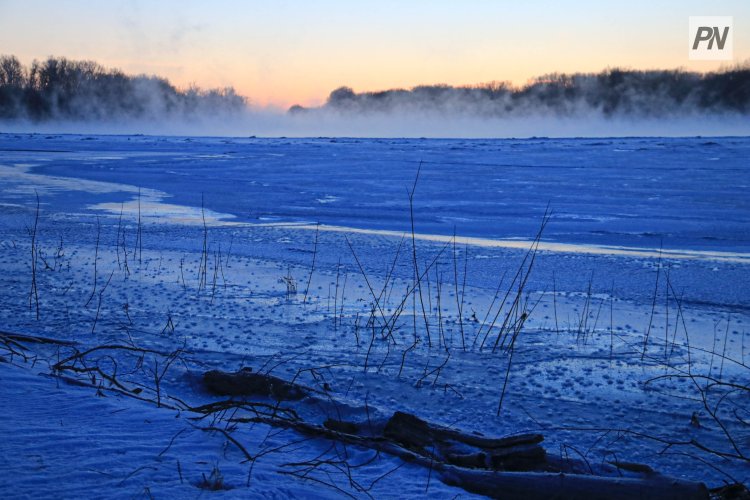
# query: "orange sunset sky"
286, 52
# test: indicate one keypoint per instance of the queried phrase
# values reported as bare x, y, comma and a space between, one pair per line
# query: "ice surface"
648, 236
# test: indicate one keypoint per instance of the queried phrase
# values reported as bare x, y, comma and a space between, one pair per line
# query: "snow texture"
296, 257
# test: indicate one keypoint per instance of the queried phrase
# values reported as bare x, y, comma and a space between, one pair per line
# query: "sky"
281, 53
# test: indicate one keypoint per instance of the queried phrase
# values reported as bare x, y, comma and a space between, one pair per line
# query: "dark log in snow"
341, 426
521, 452
511, 468
517, 485
247, 383
548, 486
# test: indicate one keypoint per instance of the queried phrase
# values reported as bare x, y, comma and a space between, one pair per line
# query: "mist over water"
277, 123
442, 125
611, 103
63, 96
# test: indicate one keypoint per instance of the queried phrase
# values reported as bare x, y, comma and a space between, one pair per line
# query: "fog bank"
62, 96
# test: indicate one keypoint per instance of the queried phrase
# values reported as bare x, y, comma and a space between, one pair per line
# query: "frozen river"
687, 193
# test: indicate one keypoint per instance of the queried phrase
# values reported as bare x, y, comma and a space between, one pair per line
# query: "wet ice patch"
18, 178
544, 246
155, 210
327, 199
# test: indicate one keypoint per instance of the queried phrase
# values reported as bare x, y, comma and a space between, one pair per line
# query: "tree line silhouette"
59, 88
659, 93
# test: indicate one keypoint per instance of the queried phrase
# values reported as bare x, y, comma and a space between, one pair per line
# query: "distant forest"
59, 88
612, 93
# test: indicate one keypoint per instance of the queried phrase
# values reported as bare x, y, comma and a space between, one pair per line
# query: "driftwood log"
515, 467
521, 452
245, 382
560, 486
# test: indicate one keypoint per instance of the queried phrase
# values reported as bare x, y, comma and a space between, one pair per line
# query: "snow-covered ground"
621, 338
